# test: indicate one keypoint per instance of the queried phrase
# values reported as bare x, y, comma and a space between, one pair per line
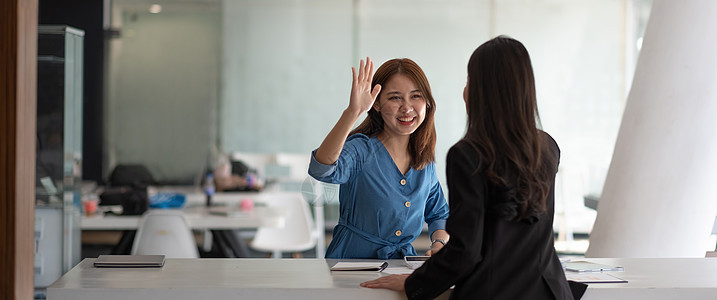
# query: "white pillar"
660, 194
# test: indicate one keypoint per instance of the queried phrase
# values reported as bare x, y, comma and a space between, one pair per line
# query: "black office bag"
131, 175
128, 188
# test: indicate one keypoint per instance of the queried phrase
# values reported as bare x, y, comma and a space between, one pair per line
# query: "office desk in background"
199, 218
648, 278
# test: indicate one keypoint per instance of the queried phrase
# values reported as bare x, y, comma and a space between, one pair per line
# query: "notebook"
129, 261
360, 266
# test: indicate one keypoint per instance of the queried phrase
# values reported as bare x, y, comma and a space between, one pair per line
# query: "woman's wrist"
442, 241
353, 112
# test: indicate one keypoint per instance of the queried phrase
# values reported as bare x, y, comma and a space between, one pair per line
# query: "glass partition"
59, 152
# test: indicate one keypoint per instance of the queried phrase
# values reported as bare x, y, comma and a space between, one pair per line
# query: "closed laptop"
129, 261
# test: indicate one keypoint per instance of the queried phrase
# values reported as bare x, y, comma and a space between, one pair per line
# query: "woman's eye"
417, 96
394, 98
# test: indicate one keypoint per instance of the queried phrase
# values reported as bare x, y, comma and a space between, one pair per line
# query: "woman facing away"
385, 167
501, 181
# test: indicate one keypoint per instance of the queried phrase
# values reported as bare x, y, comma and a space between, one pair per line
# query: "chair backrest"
297, 233
255, 161
165, 231
297, 163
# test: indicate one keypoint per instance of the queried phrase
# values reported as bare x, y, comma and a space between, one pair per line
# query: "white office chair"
165, 231
297, 233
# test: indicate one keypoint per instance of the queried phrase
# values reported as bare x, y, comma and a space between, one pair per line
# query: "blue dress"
381, 210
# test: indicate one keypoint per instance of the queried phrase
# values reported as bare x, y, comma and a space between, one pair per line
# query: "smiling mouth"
406, 120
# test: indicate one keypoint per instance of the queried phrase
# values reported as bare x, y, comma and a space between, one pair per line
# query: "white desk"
198, 218
658, 278
218, 279
297, 279
198, 215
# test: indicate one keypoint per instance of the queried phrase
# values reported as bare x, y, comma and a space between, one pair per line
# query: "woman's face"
401, 105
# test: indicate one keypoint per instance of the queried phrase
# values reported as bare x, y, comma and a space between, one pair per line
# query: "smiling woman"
402, 107
389, 187
406, 95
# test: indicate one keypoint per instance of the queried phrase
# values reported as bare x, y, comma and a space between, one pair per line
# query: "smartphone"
414, 262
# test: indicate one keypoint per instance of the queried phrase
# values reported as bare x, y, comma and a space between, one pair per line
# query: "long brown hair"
422, 143
503, 125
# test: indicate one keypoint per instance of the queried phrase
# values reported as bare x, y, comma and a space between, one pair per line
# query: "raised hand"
362, 96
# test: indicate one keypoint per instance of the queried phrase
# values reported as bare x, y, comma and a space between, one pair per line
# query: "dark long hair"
503, 125
422, 143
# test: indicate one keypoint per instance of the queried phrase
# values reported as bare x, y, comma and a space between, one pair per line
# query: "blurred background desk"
223, 239
198, 217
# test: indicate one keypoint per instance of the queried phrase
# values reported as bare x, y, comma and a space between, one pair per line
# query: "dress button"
403, 181
407, 204
398, 233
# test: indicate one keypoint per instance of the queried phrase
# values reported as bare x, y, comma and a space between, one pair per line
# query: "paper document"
360, 266
586, 266
398, 270
593, 277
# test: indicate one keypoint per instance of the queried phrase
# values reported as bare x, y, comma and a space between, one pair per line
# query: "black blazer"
488, 257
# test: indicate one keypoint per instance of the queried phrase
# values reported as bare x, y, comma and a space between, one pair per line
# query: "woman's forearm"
330, 148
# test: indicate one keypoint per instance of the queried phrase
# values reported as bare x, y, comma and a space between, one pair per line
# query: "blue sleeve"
436, 207
349, 163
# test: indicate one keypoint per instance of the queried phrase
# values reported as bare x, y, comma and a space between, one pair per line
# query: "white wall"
285, 68
162, 93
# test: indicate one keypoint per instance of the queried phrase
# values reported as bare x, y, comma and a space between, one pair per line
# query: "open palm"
362, 96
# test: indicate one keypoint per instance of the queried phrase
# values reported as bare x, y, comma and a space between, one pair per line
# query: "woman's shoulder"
359, 136
552, 144
361, 140
463, 152
464, 148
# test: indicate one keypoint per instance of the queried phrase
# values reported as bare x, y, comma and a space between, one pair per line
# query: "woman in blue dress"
386, 166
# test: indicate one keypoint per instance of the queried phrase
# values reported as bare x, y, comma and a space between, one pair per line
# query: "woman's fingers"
392, 282
362, 71
353, 70
376, 283
365, 70
362, 95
